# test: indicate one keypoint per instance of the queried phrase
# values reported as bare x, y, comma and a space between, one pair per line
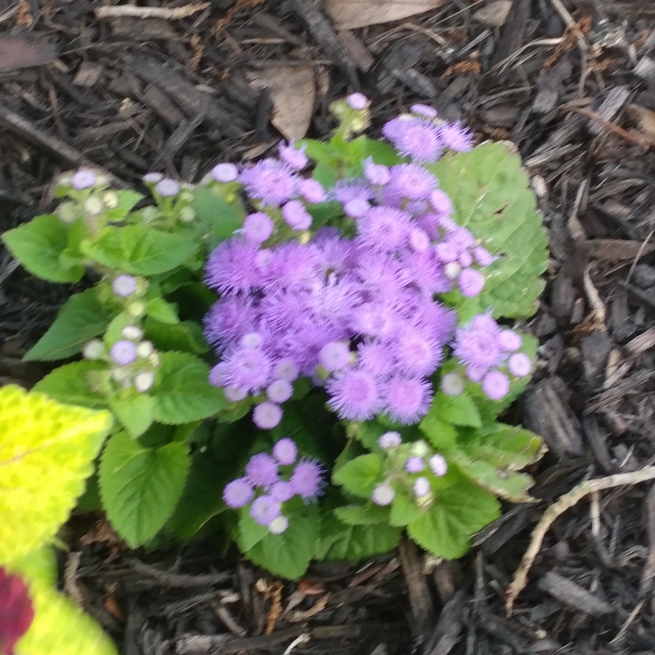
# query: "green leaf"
362, 514
250, 532
203, 495
323, 212
379, 151
219, 218
46, 453
162, 311
183, 393
126, 201
326, 175
492, 198
491, 459
458, 410
38, 244
186, 336
360, 475
458, 512
136, 413
403, 511
82, 318
289, 554
141, 486
320, 151
139, 249
68, 384
441, 435
354, 542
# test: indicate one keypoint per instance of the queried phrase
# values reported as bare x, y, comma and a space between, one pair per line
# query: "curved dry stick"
554, 511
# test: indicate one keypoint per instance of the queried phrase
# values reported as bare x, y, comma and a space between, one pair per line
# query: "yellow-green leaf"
46, 453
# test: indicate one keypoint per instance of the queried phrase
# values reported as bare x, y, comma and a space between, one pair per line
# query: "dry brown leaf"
351, 14
494, 14
645, 118
24, 18
293, 94
16, 53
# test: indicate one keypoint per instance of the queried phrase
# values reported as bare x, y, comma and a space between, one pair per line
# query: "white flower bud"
132, 332
144, 381
145, 349
94, 349
93, 206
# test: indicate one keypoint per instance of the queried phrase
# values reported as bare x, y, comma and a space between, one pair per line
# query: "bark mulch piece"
573, 85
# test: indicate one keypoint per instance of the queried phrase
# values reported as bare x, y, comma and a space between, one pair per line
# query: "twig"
612, 127
175, 13
557, 509
569, 21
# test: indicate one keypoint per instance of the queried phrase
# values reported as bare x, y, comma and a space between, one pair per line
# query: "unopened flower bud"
278, 525
154, 360
120, 374
145, 349
94, 349
124, 285
93, 206
452, 270
110, 199
420, 449
132, 332
383, 494
136, 309
421, 487
187, 214
144, 381
67, 212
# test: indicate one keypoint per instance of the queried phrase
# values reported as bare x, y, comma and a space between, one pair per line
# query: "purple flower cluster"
271, 481
490, 356
357, 314
423, 137
413, 468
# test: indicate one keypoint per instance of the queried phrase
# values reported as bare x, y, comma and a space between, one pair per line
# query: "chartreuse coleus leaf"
140, 487
491, 458
80, 319
457, 513
491, 197
59, 625
37, 245
46, 453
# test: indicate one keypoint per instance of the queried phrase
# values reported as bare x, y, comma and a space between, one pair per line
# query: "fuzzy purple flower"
383, 229
477, 344
519, 365
334, 356
356, 208
234, 394
407, 399
285, 451
424, 110
247, 368
417, 353
354, 395
258, 227
225, 173
441, 203
238, 493
307, 479
282, 491
286, 369
264, 510
83, 179
267, 415
456, 137
279, 391
376, 174
261, 470
416, 138
123, 352
311, 190
233, 267
292, 156
419, 239
270, 181
124, 285
390, 440
376, 359
357, 101
167, 188
414, 465
438, 465
470, 282
421, 487
412, 181
383, 494
509, 340
495, 385
482, 256
296, 216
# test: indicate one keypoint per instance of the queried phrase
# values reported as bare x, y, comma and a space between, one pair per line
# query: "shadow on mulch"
134, 95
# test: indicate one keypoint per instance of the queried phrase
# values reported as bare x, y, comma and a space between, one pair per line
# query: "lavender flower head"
152, 178
267, 415
262, 470
415, 137
414, 465
264, 510
285, 451
270, 181
279, 391
124, 285
225, 173
292, 156
390, 440
495, 385
307, 479
357, 101
167, 188
258, 227
383, 494
83, 179
334, 356
123, 353
238, 493
456, 137
438, 465
519, 365
421, 487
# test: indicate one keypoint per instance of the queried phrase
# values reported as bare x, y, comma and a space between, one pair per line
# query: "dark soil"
133, 95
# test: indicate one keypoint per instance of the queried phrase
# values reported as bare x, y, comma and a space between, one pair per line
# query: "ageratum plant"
308, 355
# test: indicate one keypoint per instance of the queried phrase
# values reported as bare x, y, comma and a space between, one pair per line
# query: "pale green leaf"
360, 475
